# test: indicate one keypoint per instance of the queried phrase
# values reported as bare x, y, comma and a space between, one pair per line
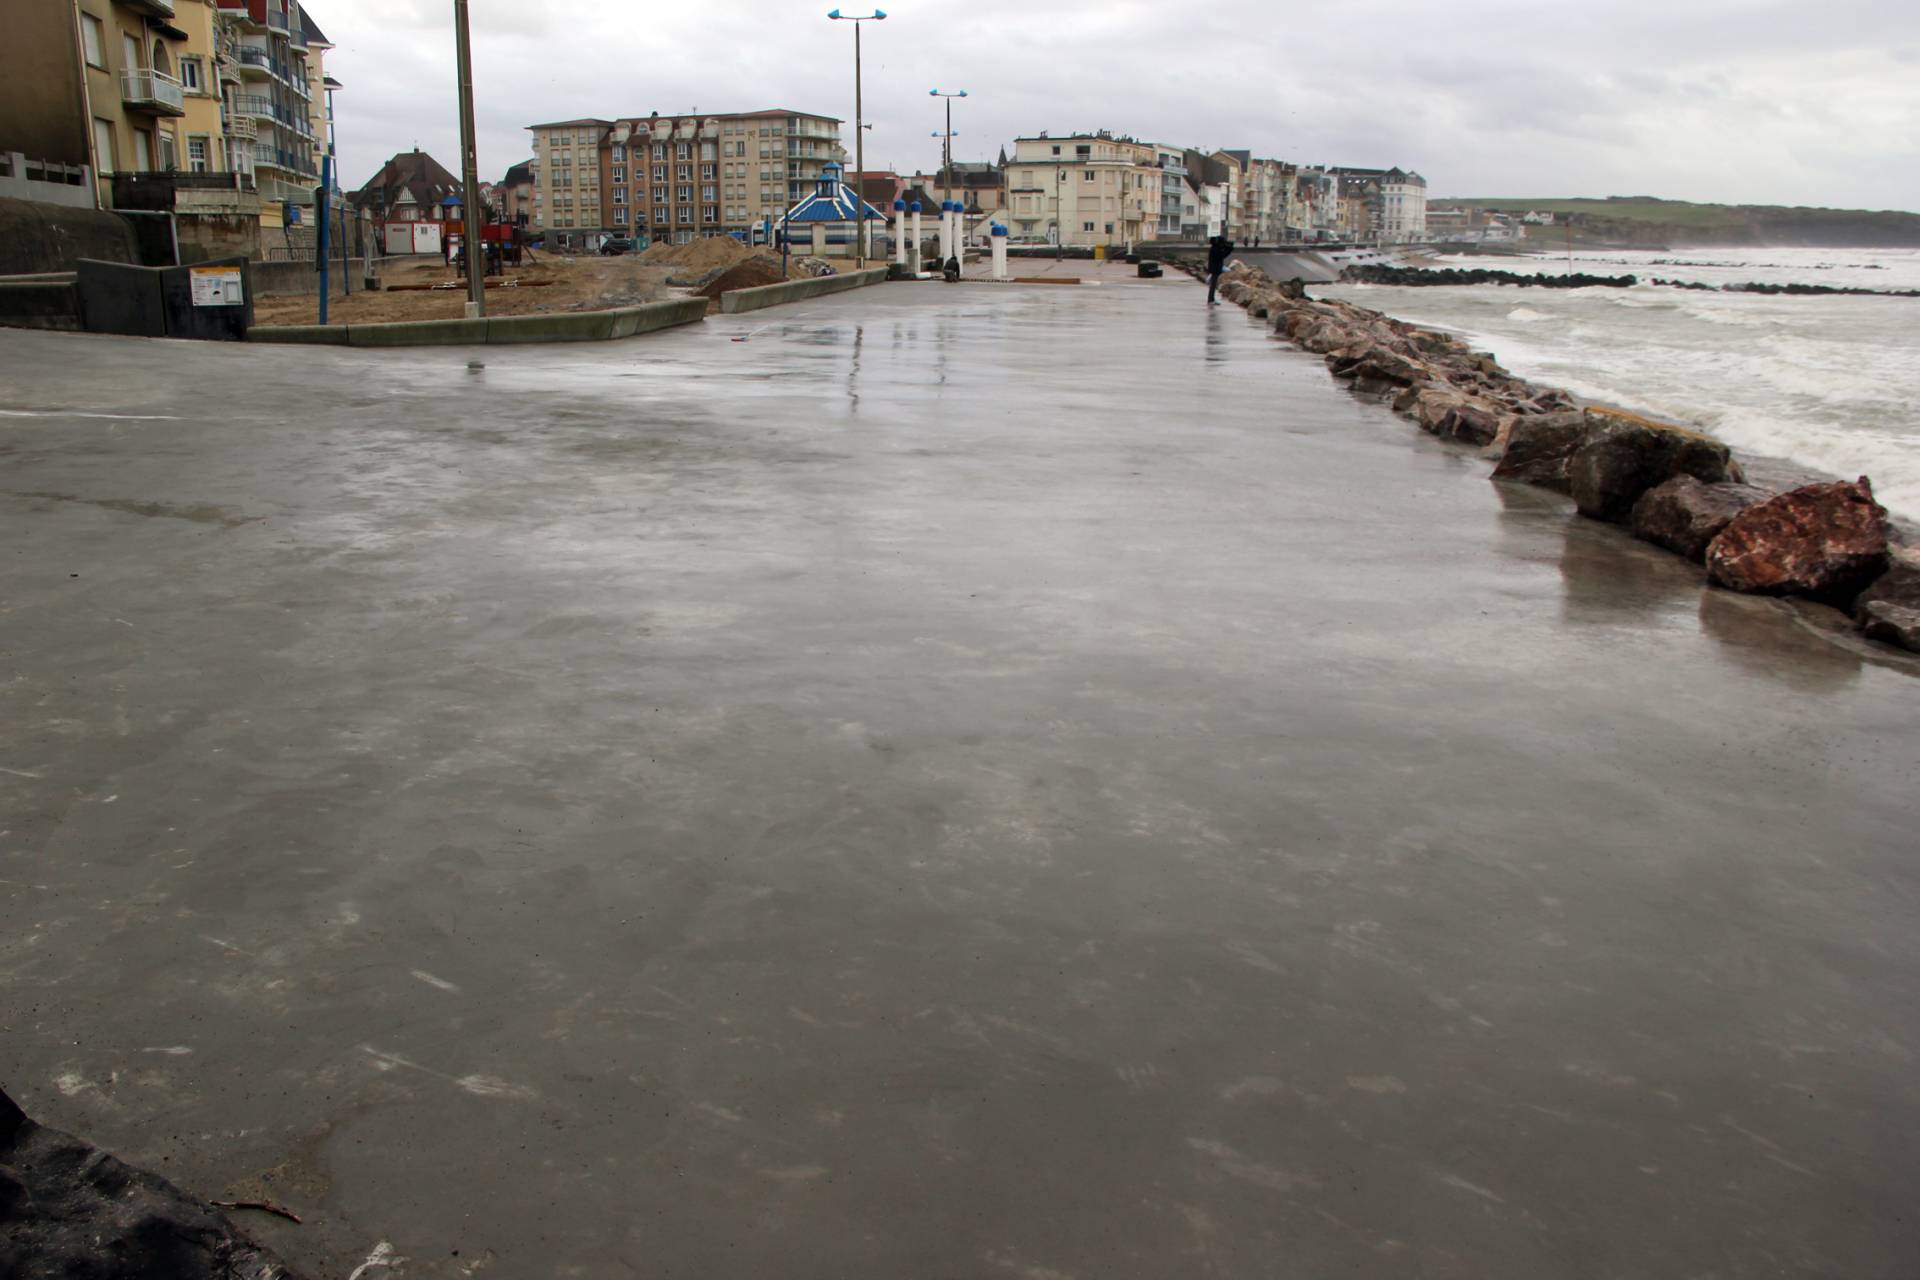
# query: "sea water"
1829, 382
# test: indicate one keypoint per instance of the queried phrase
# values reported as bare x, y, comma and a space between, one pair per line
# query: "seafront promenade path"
934, 781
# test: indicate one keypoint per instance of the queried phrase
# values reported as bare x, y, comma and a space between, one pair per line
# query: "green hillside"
1645, 220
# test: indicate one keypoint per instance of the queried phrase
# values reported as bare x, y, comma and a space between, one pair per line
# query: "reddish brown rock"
1684, 514
1828, 541
1474, 421
1889, 610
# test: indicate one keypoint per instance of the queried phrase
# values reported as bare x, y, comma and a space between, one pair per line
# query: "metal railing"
247, 55
277, 18
240, 127
155, 88
253, 104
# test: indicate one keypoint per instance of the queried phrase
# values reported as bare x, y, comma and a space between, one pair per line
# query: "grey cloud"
1702, 99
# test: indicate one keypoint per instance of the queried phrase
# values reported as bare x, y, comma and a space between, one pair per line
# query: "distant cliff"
1647, 222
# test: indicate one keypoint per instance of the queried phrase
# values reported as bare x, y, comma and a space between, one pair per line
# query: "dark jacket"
1217, 250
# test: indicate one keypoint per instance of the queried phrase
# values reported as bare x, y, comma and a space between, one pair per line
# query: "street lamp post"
470, 163
859, 134
946, 153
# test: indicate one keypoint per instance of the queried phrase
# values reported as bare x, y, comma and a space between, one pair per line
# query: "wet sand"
1024, 781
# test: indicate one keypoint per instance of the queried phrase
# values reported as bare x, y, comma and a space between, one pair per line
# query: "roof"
311, 29
839, 206
411, 175
522, 172
562, 124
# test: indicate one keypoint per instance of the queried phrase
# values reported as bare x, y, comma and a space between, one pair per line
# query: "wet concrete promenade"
969, 781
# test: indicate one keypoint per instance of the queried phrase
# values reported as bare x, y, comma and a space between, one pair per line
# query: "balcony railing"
253, 59
240, 127
277, 18
253, 104
153, 90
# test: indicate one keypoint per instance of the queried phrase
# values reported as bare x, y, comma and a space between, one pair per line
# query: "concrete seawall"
773, 295
570, 326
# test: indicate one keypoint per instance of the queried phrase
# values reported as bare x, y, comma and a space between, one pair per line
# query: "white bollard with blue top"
999, 236
900, 232
917, 241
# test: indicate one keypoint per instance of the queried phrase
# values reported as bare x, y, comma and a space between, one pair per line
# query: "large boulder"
1684, 515
69, 1211
1889, 610
1540, 449
1474, 421
1622, 456
1828, 541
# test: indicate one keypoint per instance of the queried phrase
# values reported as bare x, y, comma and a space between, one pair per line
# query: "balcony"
240, 127
151, 8
152, 91
252, 61
277, 18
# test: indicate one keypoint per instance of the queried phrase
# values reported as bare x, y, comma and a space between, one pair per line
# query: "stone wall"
38, 237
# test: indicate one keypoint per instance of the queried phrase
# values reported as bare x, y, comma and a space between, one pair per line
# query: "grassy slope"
1640, 217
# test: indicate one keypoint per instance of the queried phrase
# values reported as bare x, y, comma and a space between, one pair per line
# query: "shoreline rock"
70, 1211
1826, 541
1675, 487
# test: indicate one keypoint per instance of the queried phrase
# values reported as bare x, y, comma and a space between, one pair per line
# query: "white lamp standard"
859, 132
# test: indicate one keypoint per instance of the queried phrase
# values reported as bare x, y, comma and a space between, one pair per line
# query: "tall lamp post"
859, 132
470, 163
946, 151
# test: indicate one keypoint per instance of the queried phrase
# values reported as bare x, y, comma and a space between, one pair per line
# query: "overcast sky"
1730, 100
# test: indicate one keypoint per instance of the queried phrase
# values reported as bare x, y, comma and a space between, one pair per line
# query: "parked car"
614, 246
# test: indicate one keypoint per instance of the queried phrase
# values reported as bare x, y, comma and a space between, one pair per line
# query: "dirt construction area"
429, 289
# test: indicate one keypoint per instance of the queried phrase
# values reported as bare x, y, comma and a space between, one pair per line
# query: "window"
711, 213
129, 53
190, 75
619, 151
706, 193
619, 195
1056, 151
1087, 176
94, 37
661, 215
1086, 226
684, 151
685, 195
587, 136
103, 144
197, 154
142, 151
684, 173
686, 214
620, 174
619, 216
706, 172
1109, 228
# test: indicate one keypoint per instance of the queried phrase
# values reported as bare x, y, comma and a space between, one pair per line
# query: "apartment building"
1176, 197
271, 107
676, 178
515, 195
1265, 189
1084, 189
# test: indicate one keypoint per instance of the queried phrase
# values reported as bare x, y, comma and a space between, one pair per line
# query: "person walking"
1217, 250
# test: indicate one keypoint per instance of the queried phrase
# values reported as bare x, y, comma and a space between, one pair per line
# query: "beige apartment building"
675, 178
95, 89
1084, 189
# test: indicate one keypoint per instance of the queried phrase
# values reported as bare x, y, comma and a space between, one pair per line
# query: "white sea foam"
1831, 382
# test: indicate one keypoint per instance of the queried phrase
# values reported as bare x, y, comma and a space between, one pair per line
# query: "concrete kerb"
773, 295
568, 326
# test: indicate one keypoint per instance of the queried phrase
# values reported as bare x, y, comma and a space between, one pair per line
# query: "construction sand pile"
758, 270
697, 255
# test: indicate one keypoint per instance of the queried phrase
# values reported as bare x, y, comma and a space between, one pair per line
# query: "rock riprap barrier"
1670, 485
70, 1211
1417, 277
